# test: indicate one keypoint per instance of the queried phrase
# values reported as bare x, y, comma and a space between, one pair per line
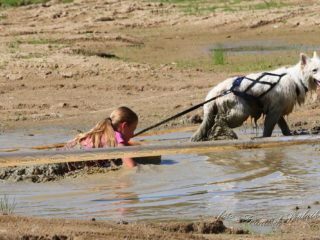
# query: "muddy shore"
23, 227
71, 64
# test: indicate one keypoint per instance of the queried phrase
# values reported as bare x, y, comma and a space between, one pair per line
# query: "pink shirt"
87, 143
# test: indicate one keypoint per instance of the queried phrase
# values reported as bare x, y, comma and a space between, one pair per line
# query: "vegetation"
33, 55
218, 56
14, 44
239, 63
197, 7
7, 206
19, 3
53, 42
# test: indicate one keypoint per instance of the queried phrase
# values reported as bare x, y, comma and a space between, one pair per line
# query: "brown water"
266, 183
258, 47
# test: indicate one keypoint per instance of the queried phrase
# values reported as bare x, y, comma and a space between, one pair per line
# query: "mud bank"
50, 172
24, 227
58, 171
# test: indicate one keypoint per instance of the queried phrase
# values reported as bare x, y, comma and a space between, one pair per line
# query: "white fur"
277, 103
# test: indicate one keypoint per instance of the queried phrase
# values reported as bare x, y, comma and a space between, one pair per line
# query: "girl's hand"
129, 162
135, 142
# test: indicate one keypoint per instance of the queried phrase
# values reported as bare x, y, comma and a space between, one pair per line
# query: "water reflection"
259, 47
271, 180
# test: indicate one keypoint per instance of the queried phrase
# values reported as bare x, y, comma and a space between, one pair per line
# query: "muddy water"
258, 47
265, 183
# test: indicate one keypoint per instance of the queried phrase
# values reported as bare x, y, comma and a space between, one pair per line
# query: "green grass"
33, 55
218, 56
7, 206
240, 63
3, 17
19, 3
201, 7
267, 5
53, 42
14, 44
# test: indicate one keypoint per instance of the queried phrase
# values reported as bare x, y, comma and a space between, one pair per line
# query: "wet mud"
58, 171
50, 172
61, 229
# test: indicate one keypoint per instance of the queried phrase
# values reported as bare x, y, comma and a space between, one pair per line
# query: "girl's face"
127, 130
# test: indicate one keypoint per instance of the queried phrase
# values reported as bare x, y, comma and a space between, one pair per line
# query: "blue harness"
237, 82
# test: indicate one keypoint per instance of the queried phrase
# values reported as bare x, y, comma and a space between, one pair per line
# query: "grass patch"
52, 42
7, 206
15, 44
3, 17
267, 5
199, 7
34, 55
218, 56
19, 3
241, 63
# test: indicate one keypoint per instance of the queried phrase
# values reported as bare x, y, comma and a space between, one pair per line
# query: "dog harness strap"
304, 86
272, 85
246, 96
298, 89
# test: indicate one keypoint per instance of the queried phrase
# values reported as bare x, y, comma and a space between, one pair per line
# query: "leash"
182, 113
236, 83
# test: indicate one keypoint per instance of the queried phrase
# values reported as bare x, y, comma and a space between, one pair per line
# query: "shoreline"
67, 228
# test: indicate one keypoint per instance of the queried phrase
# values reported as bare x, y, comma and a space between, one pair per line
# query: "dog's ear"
304, 59
315, 55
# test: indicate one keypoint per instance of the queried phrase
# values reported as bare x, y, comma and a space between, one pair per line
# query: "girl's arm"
129, 162
135, 142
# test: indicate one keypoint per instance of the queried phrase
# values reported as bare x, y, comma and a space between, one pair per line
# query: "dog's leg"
284, 127
272, 118
221, 130
202, 132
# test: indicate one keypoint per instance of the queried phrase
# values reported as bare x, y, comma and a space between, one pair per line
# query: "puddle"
258, 47
259, 183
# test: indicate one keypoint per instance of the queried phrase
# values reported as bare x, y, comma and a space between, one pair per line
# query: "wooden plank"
31, 158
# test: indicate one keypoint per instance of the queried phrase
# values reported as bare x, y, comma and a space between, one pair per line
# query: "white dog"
272, 94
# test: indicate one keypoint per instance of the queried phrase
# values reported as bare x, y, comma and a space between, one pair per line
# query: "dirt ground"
71, 64
30, 228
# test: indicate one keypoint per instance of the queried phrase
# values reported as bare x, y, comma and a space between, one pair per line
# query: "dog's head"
310, 70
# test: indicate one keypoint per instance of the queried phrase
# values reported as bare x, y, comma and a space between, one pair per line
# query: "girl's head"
125, 121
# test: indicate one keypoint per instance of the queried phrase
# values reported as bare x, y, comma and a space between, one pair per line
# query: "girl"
116, 130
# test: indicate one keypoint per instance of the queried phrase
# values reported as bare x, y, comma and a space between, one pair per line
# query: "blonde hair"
106, 128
